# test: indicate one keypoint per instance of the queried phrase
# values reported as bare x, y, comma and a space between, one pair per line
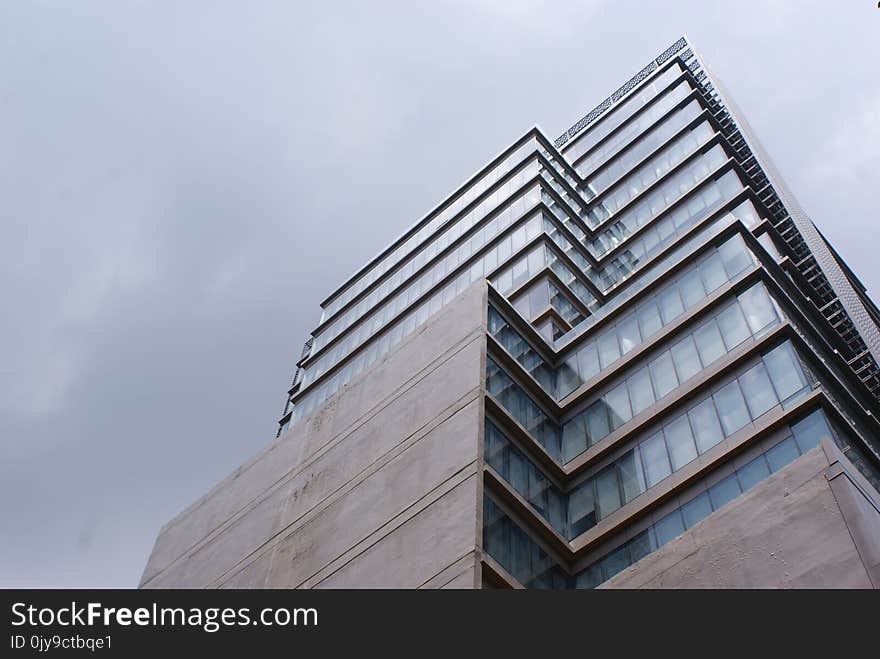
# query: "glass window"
731, 408
752, 473
669, 528
697, 509
632, 478
582, 509
663, 374
519, 472
724, 491
733, 326
687, 361
574, 438
735, 255
691, 288
758, 308
655, 459
649, 319
628, 330
588, 361
616, 561
680, 442
618, 405
709, 342
641, 392
642, 545
782, 454
785, 371
809, 430
609, 351
704, 421
596, 418
670, 305
757, 389
607, 492
712, 270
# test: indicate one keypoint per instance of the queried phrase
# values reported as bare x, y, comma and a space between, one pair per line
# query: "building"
623, 358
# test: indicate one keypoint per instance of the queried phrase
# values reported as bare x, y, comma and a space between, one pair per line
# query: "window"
781, 454
758, 307
669, 528
757, 389
709, 342
735, 255
724, 491
691, 288
680, 442
649, 320
687, 361
609, 351
663, 374
733, 326
704, 421
731, 408
640, 391
670, 304
588, 361
713, 273
697, 509
617, 401
628, 329
607, 492
809, 430
574, 438
582, 509
632, 479
785, 371
655, 459
596, 418
753, 472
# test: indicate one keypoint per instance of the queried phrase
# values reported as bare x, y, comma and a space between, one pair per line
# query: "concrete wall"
810, 525
380, 486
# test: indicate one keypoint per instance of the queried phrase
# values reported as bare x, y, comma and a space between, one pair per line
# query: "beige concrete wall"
789, 531
380, 486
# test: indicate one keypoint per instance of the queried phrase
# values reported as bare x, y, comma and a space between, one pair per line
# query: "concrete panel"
388, 440
786, 532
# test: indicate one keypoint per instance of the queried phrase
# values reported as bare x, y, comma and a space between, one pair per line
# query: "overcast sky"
181, 184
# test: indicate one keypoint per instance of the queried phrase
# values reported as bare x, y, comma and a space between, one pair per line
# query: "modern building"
623, 358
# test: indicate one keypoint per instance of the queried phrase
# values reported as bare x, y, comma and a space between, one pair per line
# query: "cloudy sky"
182, 183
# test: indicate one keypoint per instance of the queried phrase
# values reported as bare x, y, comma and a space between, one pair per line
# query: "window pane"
649, 319
588, 361
691, 287
759, 394
735, 255
785, 371
809, 430
707, 429
663, 374
655, 459
581, 509
731, 408
607, 492
628, 330
680, 442
758, 308
670, 304
695, 510
618, 405
641, 392
709, 343
596, 417
782, 454
733, 326
725, 491
632, 479
687, 361
642, 545
616, 561
752, 473
574, 438
669, 527
608, 348
713, 273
